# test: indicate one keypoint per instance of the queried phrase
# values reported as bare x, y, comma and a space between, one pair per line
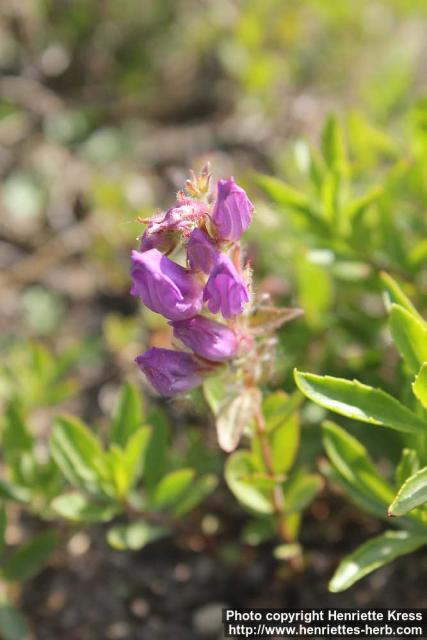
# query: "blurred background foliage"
105, 105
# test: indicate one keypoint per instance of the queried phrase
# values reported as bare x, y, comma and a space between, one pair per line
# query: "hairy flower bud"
207, 338
225, 290
164, 286
201, 251
233, 210
170, 372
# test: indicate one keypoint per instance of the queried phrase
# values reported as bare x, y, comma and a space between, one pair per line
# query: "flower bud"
164, 286
201, 251
170, 372
164, 229
164, 241
225, 290
207, 338
233, 210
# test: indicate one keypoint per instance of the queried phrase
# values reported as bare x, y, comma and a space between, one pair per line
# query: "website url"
264, 630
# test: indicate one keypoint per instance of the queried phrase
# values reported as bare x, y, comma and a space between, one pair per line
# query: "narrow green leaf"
316, 301
172, 486
16, 437
357, 494
419, 385
300, 490
195, 494
277, 407
288, 198
135, 453
30, 558
408, 465
351, 460
372, 555
134, 536
412, 493
409, 335
239, 469
359, 206
10, 491
360, 402
395, 294
78, 508
78, 453
116, 473
128, 416
333, 145
155, 457
282, 193
284, 444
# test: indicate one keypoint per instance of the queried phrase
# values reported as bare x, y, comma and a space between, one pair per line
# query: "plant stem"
278, 497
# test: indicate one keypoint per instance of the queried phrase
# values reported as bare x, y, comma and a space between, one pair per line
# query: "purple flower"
164, 241
233, 210
201, 251
170, 372
207, 338
163, 229
225, 290
164, 286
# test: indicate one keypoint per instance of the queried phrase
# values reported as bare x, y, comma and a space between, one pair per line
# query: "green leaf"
10, 491
30, 558
284, 444
195, 494
374, 554
155, 457
13, 625
135, 535
277, 407
408, 465
239, 475
128, 416
316, 300
419, 385
360, 402
300, 490
78, 453
350, 458
412, 493
395, 294
235, 415
287, 197
172, 487
359, 206
135, 454
359, 495
282, 193
333, 145
16, 437
78, 508
409, 335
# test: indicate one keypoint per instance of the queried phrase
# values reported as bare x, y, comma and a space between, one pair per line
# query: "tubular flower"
233, 210
203, 225
207, 338
170, 372
225, 291
164, 286
201, 251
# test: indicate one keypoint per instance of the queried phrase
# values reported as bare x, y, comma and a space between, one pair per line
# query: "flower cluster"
203, 298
